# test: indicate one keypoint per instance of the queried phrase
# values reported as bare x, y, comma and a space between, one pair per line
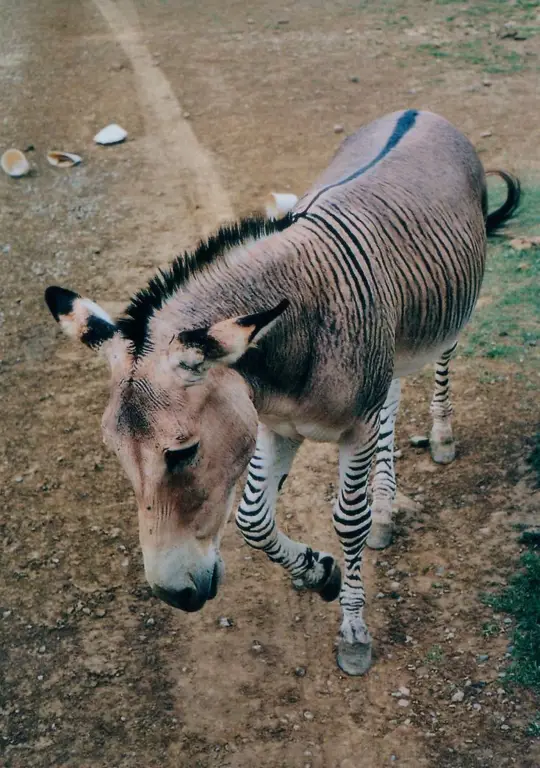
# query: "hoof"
354, 658
380, 535
332, 585
443, 453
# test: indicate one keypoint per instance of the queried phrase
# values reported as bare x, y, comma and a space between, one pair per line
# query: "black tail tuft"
498, 218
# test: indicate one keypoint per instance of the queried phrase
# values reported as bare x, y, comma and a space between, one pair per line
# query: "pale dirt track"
98, 673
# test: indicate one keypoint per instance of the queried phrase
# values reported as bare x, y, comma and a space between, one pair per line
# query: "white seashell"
63, 159
112, 134
279, 203
14, 163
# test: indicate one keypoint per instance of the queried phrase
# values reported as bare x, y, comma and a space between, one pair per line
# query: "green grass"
521, 599
506, 326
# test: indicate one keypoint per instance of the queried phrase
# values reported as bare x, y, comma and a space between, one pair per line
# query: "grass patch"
506, 325
521, 599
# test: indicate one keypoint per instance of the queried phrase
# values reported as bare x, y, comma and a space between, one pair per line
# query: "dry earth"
223, 102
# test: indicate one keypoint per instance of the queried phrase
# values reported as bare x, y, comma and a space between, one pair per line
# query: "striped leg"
443, 447
268, 470
384, 480
352, 521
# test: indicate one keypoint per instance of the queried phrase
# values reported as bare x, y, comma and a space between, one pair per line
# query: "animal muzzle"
193, 597
183, 577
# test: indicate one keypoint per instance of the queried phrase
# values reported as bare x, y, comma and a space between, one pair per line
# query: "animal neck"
253, 277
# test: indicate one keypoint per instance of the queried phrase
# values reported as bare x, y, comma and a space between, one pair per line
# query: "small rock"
439, 571
41, 649
308, 715
300, 671
482, 657
458, 696
282, 22
476, 706
486, 134
419, 441
354, 79
486, 83
338, 128
257, 647
100, 613
86, 611
224, 622
405, 692
6, 614
398, 454
150, 622
505, 727
403, 703
18, 479
395, 585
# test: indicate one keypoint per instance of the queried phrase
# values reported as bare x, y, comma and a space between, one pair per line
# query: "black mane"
134, 323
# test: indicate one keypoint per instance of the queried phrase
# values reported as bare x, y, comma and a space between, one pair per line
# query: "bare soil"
223, 103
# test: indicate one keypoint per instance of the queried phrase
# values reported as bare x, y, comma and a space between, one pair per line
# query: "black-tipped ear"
226, 341
260, 320
60, 301
80, 318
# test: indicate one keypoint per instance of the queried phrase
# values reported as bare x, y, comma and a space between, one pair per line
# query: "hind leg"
255, 518
442, 444
384, 479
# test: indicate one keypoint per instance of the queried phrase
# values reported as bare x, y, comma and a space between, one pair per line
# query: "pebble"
458, 696
257, 647
482, 657
100, 613
354, 79
224, 622
18, 479
403, 703
150, 622
404, 691
395, 585
6, 614
505, 727
300, 671
338, 128
476, 706
486, 134
41, 649
419, 441
308, 715
398, 454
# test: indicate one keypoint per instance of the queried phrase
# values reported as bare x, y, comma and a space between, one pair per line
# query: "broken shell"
14, 163
279, 203
112, 134
63, 159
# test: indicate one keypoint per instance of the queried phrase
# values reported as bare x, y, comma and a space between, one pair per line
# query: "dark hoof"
443, 451
354, 658
332, 583
380, 535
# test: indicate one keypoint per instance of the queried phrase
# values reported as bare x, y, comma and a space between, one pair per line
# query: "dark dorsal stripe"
402, 127
134, 324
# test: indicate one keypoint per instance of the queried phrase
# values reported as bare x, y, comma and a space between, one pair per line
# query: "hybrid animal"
275, 331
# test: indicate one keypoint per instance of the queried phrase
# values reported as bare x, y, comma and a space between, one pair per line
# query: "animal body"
276, 331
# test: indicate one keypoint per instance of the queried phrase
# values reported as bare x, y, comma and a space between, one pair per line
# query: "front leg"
352, 521
255, 518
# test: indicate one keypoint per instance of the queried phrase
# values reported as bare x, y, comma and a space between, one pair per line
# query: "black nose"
188, 599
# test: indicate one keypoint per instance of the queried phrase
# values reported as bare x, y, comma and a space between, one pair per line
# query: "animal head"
183, 426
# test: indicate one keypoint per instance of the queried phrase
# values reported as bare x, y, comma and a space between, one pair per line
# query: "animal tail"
498, 218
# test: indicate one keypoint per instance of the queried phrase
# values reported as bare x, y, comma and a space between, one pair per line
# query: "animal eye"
178, 458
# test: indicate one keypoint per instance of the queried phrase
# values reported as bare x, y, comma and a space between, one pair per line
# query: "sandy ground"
223, 103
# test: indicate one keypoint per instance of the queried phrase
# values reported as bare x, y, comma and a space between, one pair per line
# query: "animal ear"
226, 341
80, 318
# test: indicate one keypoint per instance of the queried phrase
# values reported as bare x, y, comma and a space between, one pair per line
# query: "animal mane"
133, 325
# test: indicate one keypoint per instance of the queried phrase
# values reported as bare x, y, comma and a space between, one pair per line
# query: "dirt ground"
223, 103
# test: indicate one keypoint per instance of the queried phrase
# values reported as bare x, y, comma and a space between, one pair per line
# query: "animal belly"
407, 363
321, 433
